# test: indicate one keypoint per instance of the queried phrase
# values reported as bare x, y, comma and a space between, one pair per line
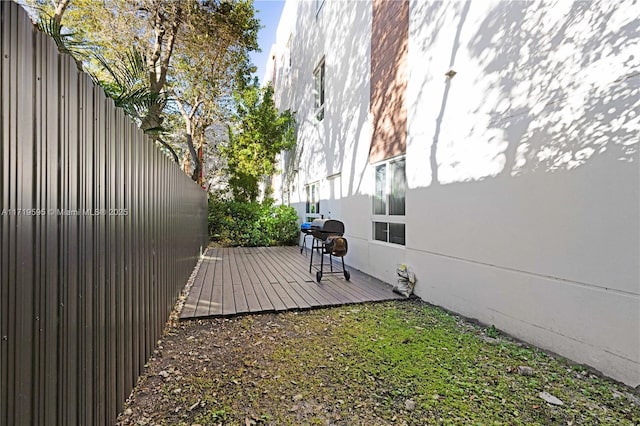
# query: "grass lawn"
402, 362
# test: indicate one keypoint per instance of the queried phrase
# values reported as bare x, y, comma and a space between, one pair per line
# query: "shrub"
283, 225
251, 224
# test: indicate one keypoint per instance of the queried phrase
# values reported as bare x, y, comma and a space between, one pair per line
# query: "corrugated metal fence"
99, 233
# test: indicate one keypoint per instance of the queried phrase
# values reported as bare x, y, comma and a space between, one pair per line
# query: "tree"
260, 133
193, 52
59, 8
213, 62
128, 85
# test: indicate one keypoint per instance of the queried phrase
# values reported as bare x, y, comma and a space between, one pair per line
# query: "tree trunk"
165, 29
61, 6
152, 121
171, 150
194, 156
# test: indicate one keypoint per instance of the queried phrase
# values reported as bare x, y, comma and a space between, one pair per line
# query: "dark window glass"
380, 231
380, 196
313, 198
318, 76
396, 233
389, 199
398, 188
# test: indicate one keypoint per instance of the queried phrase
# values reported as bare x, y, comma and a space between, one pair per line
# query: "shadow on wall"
534, 145
445, 96
537, 140
299, 95
433, 20
340, 133
350, 138
389, 56
588, 102
558, 88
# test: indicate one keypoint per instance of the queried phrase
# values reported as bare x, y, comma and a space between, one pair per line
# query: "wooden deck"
240, 280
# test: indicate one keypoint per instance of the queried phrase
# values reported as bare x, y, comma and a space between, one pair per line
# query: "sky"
268, 11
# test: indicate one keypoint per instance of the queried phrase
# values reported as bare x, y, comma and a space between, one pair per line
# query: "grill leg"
347, 275
313, 244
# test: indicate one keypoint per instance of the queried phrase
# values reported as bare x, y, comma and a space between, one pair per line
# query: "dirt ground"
401, 362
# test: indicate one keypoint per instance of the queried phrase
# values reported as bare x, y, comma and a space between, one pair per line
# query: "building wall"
523, 173
389, 51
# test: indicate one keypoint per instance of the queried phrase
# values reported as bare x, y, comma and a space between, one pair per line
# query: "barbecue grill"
328, 239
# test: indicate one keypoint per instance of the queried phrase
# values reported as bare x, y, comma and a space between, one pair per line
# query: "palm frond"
67, 42
128, 83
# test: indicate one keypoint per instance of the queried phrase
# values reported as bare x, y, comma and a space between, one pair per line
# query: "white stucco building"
510, 186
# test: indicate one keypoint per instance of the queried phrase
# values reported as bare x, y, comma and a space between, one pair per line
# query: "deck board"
214, 304
191, 304
267, 285
253, 303
266, 304
275, 284
228, 298
233, 281
335, 286
305, 281
207, 270
240, 290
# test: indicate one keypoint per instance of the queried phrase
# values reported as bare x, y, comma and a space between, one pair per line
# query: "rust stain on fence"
98, 234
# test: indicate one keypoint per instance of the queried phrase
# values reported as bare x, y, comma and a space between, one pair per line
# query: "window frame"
319, 83
387, 219
319, 4
312, 189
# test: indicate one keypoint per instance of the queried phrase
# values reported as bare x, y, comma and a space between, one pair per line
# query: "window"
313, 199
318, 90
389, 202
287, 60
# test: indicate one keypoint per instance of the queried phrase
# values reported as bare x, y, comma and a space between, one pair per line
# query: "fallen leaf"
550, 398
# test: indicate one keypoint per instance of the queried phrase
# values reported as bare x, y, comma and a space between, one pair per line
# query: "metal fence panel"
98, 234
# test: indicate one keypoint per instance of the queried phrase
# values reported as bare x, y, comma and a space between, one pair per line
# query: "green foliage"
67, 42
244, 186
492, 332
213, 416
127, 82
362, 365
251, 224
212, 63
261, 132
283, 224
158, 58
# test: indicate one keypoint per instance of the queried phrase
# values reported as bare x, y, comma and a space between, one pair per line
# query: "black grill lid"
328, 226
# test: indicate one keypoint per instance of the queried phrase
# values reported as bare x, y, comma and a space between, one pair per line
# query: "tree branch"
60, 7
171, 40
171, 150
